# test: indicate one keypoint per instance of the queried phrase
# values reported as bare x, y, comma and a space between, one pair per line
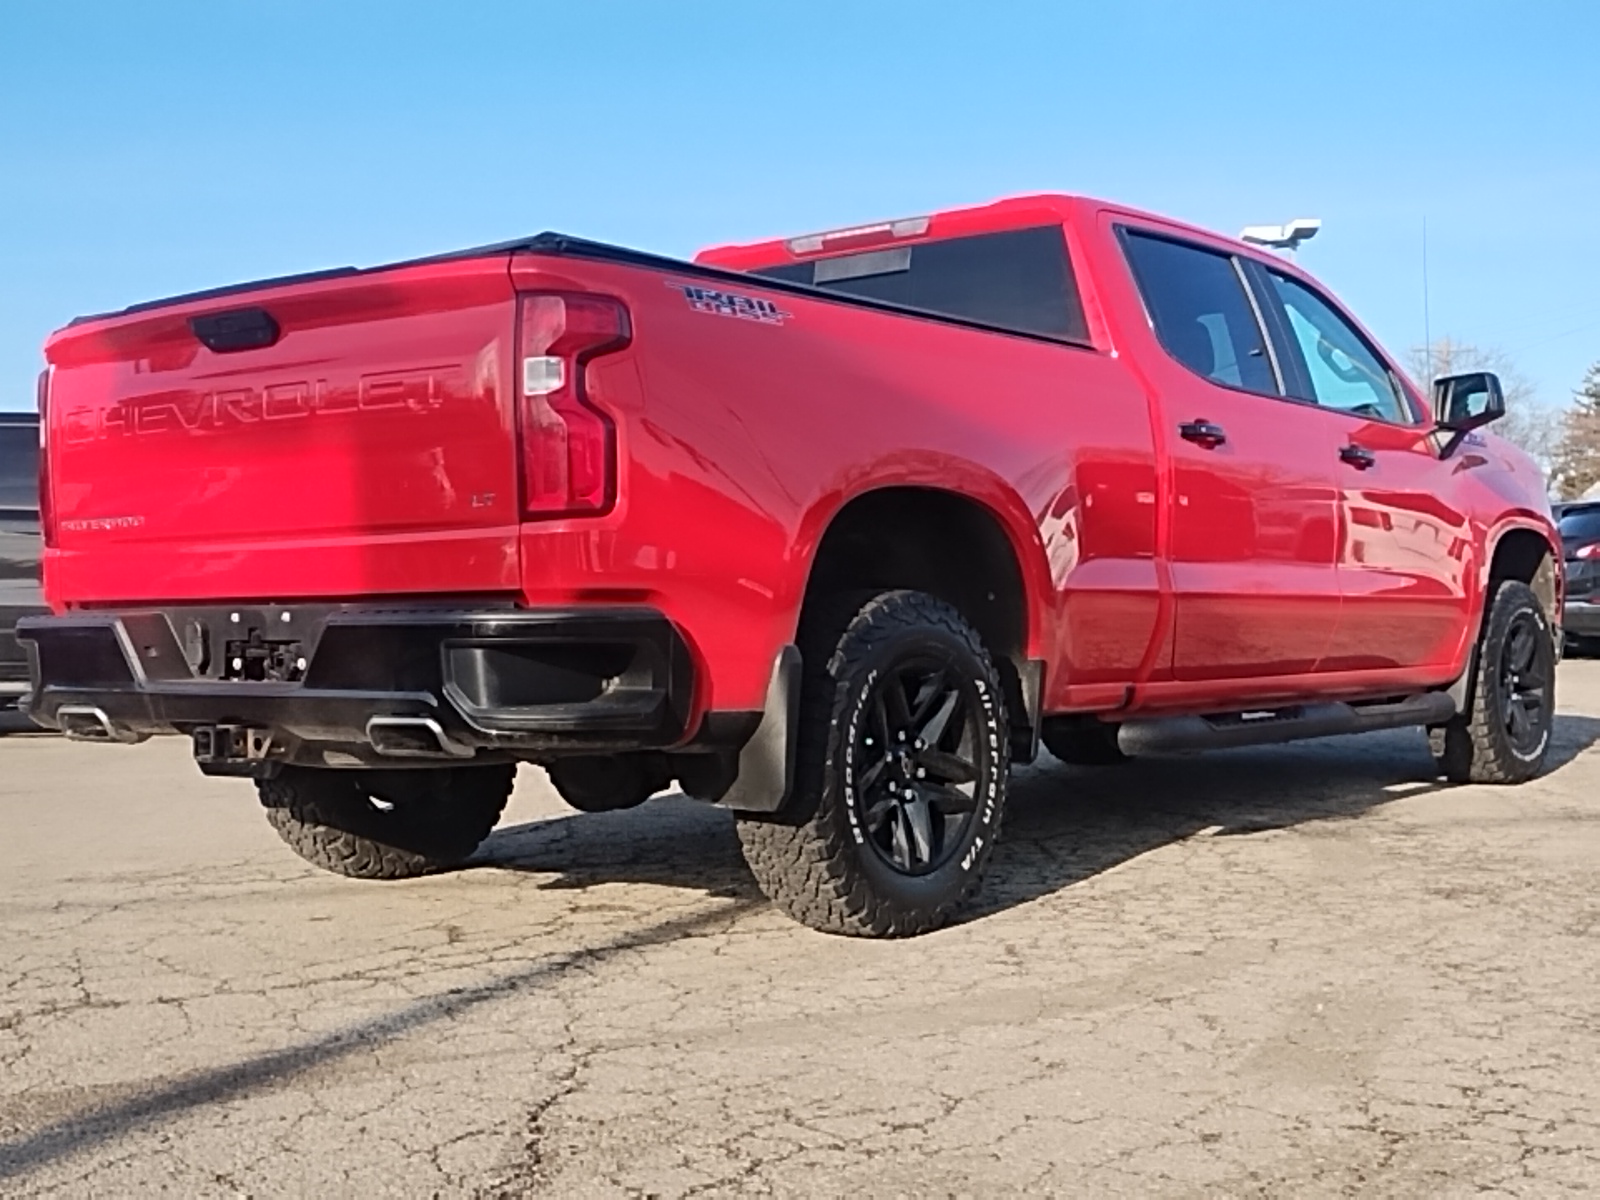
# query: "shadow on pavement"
1063, 824
1066, 824
94, 1126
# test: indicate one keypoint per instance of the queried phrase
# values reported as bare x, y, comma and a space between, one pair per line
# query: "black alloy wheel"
900, 776
1527, 669
915, 764
1504, 734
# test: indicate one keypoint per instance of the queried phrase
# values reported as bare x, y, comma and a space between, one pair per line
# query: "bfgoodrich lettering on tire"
901, 778
1504, 736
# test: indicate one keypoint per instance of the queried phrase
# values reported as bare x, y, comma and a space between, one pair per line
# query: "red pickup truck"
829, 531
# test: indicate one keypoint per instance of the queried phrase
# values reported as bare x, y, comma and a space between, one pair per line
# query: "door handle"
1358, 457
1206, 434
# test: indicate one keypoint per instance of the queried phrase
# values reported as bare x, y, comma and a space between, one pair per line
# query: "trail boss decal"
730, 304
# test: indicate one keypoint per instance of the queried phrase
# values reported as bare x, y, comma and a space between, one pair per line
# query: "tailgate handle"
235, 330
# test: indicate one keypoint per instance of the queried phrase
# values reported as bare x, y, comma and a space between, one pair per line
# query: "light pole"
1282, 237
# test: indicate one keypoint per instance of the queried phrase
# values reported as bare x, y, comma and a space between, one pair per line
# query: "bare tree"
1537, 428
1577, 458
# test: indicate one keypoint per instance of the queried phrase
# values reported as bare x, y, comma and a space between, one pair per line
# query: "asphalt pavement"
1310, 970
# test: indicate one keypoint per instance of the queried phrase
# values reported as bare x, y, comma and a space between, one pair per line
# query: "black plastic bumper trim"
1581, 617
548, 680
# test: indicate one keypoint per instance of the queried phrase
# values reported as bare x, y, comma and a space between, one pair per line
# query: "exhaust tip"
85, 723
414, 737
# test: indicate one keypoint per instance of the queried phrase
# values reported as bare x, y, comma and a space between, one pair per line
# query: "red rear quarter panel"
741, 439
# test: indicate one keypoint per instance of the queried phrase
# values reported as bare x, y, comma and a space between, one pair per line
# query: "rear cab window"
1019, 280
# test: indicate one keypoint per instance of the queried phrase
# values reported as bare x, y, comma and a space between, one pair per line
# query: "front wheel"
901, 776
1504, 737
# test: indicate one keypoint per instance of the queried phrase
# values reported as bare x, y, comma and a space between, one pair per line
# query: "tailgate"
326, 438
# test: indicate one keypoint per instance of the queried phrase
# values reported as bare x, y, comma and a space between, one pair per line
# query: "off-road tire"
814, 861
1084, 743
1477, 746
438, 816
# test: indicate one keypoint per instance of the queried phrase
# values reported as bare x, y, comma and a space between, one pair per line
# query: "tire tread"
1473, 748
308, 808
807, 866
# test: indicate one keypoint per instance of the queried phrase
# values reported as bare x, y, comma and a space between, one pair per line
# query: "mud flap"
766, 763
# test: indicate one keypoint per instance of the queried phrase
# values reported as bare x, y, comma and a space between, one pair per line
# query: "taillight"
1592, 550
568, 444
47, 505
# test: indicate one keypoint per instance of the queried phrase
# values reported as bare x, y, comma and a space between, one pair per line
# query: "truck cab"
1313, 534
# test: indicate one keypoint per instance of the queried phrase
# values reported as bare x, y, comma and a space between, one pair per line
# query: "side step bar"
1265, 727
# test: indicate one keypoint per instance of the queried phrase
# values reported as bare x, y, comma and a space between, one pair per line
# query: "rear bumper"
326, 685
1581, 618
13, 661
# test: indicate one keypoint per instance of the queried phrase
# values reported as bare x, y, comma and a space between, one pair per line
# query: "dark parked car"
19, 552
1579, 523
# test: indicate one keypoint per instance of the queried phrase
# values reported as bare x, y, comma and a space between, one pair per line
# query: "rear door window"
1019, 279
1201, 312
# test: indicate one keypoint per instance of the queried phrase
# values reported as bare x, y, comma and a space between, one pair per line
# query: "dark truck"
20, 547
829, 531
1579, 526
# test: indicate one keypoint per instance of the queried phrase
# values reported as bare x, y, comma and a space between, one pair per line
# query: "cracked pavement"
1307, 970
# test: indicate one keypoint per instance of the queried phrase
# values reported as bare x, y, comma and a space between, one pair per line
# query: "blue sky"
157, 147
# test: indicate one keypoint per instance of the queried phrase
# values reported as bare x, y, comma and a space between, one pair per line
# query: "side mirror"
1464, 402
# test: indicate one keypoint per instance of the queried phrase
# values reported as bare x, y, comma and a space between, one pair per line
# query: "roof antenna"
1427, 334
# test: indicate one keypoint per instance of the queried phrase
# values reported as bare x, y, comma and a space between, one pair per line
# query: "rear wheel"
1504, 736
901, 775
385, 824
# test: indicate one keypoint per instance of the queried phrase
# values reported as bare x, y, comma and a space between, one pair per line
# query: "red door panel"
1254, 537
1405, 554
